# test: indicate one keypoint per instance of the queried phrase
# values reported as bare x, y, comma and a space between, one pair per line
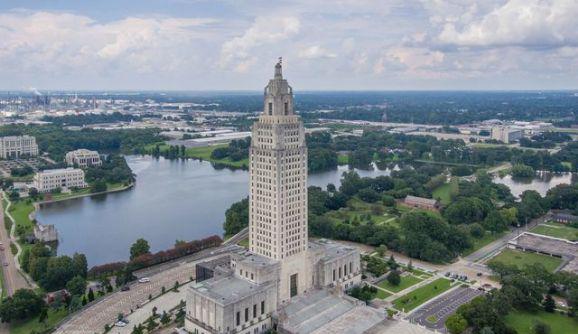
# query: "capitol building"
284, 280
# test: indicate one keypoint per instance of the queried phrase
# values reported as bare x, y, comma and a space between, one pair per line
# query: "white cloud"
237, 52
315, 52
53, 42
526, 23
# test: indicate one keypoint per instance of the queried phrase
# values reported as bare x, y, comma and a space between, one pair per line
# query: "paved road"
489, 250
442, 307
105, 311
13, 279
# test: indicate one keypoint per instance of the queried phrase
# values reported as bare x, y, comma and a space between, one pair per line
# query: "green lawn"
419, 296
358, 211
557, 230
406, 282
204, 153
444, 192
521, 259
244, 243
20, 211
33, 325
381, 294
481, 242
523, 322
342, 159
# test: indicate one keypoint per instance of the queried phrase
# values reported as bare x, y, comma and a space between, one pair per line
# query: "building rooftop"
323, 312
227, 289
330, 250
58, 171
246, 257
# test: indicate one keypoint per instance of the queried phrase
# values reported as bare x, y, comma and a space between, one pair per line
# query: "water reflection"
541, 183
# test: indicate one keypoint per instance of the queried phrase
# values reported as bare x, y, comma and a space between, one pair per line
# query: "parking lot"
7, 165
434, 314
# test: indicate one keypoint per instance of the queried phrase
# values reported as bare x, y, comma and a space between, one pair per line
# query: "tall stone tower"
278, 187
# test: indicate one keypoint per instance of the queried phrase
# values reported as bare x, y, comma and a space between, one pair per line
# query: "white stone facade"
82, 158
51, 179
17, 146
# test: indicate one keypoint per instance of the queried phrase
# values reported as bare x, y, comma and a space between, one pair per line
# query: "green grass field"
358, 210
20, 211
557, 230
342, 159
481, 242
419, 296
406, 282
521, 259
444, 192
523, 322
32, 325
381, 294
204, 153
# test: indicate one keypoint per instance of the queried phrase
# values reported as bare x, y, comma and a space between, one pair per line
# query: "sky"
325, 45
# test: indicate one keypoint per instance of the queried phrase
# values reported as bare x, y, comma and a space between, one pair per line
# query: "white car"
144, 280
120, 323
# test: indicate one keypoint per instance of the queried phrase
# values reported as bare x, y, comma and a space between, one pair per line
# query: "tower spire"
278, 72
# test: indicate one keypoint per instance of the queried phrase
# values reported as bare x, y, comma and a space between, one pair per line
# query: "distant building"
45, 233
51, 179
506, 134
83, 158
421, 202
17, 146
564, 218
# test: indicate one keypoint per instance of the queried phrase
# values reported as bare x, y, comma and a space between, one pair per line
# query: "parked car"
144, 280
121, 323
125, 288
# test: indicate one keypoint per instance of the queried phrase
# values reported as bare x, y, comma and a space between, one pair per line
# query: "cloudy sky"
326, 45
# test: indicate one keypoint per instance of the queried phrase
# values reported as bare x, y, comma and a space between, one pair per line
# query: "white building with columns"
255, 289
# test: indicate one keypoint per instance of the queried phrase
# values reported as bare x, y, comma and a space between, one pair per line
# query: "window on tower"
286, 108
270, 108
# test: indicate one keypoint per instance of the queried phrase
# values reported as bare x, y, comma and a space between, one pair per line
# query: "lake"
172, 199
541, 183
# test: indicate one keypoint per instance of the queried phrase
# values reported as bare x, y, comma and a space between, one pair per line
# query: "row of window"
238, 314
342, 273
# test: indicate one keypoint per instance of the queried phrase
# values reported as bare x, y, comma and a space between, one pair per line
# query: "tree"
98, 186
456, 324
43, 315
573, 301
140, 247
236, 217
165, 318
59, 271
76, 286
79, 265
368, 195
151, 324
90, 295
381, 250
24, 304
549, 304
137, 330
393, 278
541, 328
